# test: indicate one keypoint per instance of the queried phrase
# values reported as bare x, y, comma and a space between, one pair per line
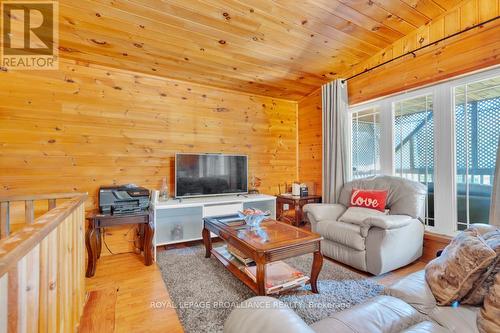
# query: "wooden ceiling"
279, 48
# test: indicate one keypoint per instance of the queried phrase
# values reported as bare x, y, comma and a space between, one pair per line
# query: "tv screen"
210, 174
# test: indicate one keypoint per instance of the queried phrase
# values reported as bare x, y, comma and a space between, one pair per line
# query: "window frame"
350, 124
443, 108
393, 124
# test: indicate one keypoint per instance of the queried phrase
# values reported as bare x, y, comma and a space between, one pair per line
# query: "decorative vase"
254, 184
164, 190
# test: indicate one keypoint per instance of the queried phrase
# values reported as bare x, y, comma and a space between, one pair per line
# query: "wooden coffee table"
272, 242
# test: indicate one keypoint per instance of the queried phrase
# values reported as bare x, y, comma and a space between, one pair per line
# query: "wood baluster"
44, 285
60, 278
13, 299
52, 204
73, 279
81, 248
53, 282
22, 295
4, 298
67, 274
32, 289
4, 220
66, 269
29, 211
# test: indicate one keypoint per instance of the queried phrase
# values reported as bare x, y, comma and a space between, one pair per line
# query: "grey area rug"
204, 293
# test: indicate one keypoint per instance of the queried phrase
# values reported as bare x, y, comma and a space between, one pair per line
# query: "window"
445, 136
414, 145
365, 143
477, 125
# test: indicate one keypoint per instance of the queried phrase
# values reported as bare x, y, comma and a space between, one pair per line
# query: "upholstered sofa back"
404, 197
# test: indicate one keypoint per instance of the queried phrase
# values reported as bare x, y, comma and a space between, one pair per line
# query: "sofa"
413, 304
406, 306
376, 244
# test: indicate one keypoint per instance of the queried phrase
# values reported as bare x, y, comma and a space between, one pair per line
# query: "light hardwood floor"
123, 289
121, 295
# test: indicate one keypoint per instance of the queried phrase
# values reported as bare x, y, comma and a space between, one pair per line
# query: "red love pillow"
374, 199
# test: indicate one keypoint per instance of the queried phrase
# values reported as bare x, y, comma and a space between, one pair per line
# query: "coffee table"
273, 241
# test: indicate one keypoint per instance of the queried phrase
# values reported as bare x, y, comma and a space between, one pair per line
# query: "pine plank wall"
83, 126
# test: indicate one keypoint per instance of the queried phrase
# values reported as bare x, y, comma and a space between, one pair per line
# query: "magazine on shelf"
279, 276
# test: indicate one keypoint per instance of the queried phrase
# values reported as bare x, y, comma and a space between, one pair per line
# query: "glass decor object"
164, 190
254, 217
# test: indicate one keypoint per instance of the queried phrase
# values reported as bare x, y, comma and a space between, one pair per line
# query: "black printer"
123, 200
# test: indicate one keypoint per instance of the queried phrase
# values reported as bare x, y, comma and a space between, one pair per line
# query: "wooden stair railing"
29, 207
42, 267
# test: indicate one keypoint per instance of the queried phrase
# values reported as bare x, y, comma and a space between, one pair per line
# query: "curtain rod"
421, 48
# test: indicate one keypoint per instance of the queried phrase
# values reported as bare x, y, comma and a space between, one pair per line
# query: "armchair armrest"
264, 315
388, 221
320, 212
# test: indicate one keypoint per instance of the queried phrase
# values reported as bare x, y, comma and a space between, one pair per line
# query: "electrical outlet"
286, 206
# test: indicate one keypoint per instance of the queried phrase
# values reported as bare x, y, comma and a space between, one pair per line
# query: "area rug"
204, 293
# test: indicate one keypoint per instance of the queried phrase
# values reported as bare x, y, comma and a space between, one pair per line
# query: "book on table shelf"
222, 250
240, 255
279, 276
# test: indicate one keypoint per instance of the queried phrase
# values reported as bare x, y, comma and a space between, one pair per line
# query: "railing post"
4, 220
52, 204
29, 211
4, 300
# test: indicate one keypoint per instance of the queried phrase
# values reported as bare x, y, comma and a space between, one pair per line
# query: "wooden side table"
98, 221
293, 214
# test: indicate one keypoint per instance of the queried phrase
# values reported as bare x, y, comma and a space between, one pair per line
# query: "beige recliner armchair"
376, 244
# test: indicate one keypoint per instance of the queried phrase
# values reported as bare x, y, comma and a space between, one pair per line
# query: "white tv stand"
177, 221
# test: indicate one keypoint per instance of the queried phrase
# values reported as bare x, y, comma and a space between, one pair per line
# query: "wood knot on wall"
66, 49
98, 42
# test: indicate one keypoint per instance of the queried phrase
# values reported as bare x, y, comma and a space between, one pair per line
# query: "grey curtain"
495, 197
336, 157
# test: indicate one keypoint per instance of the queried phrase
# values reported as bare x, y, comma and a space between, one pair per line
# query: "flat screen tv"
210, 174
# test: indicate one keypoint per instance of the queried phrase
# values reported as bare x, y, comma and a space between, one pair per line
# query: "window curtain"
495, 196
336, 157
